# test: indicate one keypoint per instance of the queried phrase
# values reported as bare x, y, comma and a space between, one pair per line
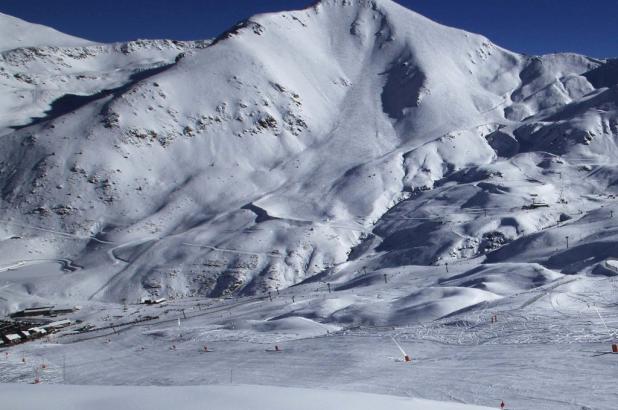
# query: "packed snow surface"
22, 397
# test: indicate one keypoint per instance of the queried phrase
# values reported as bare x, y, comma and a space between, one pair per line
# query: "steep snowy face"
352, 133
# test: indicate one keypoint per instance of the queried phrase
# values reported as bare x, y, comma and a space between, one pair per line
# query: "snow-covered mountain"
351, 136
16, 33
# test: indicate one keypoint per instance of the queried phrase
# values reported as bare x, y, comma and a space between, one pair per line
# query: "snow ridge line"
65, 234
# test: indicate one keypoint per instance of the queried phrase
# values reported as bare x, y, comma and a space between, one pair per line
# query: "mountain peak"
382, 5
18, 33
361, 3
301, 134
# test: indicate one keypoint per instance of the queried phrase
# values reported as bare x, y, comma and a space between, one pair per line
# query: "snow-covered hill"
16, 33
322, 143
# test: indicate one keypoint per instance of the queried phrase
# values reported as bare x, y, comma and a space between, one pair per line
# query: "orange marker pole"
406, 358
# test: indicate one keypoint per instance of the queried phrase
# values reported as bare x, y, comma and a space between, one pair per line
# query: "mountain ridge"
14, 32
302, 143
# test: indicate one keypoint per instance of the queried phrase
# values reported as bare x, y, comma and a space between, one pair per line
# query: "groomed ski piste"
545, 348
347, 206
210, 397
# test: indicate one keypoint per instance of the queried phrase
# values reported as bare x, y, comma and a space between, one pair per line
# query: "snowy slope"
43, 82
16, 33
217, 397
349, 136
351, 182
342, 340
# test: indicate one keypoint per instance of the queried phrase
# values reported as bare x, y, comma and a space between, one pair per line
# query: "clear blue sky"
528, 26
